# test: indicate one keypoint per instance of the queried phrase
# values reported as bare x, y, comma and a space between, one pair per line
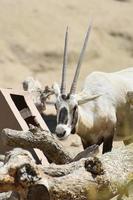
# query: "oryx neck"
85, 120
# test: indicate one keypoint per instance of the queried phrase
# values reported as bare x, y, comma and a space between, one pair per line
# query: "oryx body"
95, 112
99, 118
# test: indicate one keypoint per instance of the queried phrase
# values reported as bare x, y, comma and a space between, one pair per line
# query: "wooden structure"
18, 111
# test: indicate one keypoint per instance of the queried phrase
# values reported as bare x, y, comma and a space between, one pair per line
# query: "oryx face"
67, 116
67, 105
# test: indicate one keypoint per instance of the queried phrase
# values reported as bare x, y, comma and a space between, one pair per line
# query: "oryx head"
67, 104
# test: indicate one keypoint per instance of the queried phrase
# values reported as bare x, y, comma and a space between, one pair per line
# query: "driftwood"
44, 141
85, 177
35, 138
90, 178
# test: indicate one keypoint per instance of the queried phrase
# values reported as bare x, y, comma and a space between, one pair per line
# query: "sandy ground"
32, 38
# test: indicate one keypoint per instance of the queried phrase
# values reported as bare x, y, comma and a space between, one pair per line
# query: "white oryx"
98, 109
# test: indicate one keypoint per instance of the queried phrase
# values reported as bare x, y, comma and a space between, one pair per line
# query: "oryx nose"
60, 135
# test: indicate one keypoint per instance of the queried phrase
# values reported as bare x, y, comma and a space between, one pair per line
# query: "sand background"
32, 38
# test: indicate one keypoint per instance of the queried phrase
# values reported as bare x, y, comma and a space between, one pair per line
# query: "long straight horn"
74, 83
63, 82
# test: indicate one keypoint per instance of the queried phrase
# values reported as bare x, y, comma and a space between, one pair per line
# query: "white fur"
61, 128
98, 117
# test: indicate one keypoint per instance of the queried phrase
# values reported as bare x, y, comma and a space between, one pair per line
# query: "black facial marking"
68, 96
73, 131
63, 116
75, 119
63, 96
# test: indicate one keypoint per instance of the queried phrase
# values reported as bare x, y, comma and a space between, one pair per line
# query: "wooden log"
42, 140
98, 178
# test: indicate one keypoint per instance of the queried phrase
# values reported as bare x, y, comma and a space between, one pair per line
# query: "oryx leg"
129, 107
108, 142
87, 144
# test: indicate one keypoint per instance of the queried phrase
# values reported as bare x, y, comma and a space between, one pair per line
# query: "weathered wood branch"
90, 178
42, 140
98, 178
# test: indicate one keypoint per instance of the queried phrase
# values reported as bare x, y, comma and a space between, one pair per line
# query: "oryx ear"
56, 89
85, 99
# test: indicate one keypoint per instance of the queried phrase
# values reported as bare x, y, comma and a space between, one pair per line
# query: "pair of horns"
74, 83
